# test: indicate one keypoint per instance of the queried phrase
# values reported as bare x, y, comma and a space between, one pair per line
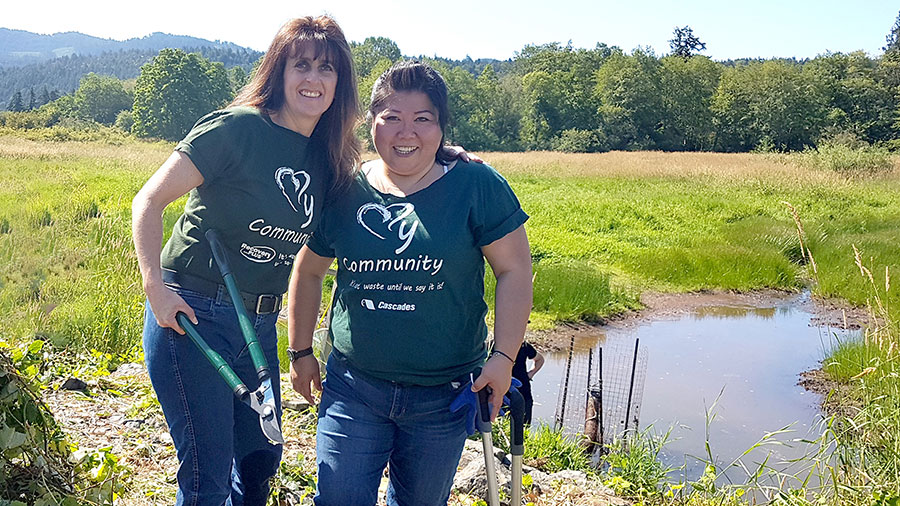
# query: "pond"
738, 361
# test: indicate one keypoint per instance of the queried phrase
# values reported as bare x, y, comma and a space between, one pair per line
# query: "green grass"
687, 234
599, 236
603, 229
545, 449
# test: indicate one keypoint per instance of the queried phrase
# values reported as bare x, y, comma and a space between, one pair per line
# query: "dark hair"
413, 75
335, 129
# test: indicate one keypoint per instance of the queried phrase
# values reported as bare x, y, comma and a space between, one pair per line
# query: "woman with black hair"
410, 236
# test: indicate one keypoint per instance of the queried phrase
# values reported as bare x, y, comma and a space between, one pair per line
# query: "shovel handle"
483, 420
221, 258
237, 386
517, 422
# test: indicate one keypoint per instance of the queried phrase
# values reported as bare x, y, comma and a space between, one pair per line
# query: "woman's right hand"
305, 372
165, 304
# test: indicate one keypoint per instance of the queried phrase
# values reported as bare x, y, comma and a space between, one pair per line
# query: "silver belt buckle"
265, 297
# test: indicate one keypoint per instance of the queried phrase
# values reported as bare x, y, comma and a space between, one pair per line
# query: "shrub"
580, 141
124, 121
848, 159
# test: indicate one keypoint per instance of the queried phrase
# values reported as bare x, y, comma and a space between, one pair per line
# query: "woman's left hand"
496, 374
464, 155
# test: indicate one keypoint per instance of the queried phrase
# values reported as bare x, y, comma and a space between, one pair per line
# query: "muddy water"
740, 363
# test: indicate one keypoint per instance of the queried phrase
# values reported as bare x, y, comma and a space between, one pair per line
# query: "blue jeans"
223, 456
366, 423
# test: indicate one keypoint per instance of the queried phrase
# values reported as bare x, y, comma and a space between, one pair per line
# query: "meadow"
603, 229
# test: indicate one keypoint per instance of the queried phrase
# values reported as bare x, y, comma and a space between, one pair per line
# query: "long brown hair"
335, 129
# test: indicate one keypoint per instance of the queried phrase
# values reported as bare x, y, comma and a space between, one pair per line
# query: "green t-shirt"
409, 302
263, 188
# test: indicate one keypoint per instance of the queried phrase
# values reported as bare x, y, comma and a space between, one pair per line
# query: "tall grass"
603, 228
868, 432
67, 265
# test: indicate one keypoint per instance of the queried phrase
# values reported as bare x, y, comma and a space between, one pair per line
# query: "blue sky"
493, 29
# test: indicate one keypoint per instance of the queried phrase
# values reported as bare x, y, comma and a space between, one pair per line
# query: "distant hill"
31, 61
56, 63
20, 47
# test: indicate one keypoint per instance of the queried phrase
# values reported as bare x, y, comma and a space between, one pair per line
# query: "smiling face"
407, 133
309, 85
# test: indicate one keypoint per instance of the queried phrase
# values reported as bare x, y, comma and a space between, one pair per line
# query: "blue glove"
467, 399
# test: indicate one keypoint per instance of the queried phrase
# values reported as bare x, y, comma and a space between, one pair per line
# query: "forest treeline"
549, 97
39, 83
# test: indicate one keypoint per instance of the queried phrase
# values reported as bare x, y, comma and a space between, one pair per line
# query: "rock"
566, 485
568, 475
294, 404
128, 369
74, 384
134, 423
164, 438
472, 479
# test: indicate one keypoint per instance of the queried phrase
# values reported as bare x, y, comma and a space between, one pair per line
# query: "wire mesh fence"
616, 371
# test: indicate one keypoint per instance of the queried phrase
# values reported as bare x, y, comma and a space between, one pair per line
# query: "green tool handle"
221, 258
237, 386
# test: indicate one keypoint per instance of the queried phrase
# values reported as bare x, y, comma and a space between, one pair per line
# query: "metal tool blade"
263, 402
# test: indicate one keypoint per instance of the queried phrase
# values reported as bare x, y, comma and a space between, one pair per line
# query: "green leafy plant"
38, 463
632, 467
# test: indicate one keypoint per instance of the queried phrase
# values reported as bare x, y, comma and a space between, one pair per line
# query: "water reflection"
735, 312
740, 365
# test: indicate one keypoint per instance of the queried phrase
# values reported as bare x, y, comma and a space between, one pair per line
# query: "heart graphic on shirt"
380, 221
293, 185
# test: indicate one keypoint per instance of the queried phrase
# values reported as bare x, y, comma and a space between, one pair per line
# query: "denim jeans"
366, 423
223, 456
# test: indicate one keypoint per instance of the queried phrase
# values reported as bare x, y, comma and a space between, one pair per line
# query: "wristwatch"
294, 354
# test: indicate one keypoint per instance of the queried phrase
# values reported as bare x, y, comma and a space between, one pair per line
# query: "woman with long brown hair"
260, 173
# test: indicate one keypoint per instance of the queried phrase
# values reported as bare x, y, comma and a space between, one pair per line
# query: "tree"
860, 103
893, 37
685, 43
542, 101
773, 102
174, 90
370, 52
557, 91
238, 77
687, 87
44, 97
497, 110
100, 98
365, 98
631, 100
15, 103
462, 103
32, 100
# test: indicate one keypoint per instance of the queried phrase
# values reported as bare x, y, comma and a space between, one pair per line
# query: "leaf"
36, 346
10, 438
